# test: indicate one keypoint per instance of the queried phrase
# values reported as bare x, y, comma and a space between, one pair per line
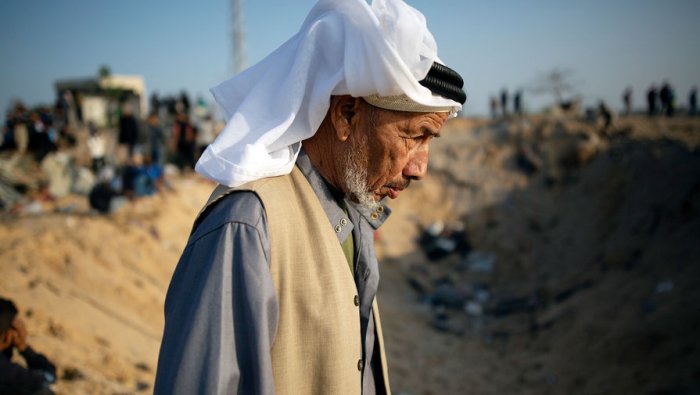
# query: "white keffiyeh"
344, 47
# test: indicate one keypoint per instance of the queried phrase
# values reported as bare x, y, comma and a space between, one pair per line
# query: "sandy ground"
92, 287
596, 231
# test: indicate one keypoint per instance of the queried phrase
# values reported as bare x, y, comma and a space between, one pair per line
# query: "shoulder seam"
216, 228
211, 206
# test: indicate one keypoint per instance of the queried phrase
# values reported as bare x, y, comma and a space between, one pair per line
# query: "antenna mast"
237, 36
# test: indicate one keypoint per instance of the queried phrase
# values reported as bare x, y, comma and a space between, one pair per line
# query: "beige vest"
317, 345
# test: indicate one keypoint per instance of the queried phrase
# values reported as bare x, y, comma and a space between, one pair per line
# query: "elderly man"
275, 291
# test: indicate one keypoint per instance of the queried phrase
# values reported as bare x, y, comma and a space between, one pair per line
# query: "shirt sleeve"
37, 361
16, 379
221, 310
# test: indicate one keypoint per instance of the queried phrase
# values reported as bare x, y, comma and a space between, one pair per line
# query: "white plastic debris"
481, 262
474, 308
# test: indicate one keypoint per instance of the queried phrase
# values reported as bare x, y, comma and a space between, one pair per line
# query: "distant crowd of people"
500, 106
37, 132
662, 101
174, 132
126, 160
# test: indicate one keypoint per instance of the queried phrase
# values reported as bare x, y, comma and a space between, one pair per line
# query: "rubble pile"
56, 183
562, 254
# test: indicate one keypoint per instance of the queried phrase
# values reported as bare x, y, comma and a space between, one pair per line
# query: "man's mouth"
396, 188
394, 192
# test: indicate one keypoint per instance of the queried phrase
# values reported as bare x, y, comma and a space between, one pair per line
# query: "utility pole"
237, 36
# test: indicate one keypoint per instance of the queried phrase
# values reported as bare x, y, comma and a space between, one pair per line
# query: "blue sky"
179, 44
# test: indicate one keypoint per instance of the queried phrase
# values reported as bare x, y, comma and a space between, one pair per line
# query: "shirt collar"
334, 211
332, 201
375, 217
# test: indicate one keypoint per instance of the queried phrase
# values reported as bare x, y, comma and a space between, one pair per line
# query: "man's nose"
417, 165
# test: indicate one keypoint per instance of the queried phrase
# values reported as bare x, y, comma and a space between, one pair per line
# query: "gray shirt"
221, 310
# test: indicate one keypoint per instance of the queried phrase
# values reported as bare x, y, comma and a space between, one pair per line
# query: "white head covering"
344, 47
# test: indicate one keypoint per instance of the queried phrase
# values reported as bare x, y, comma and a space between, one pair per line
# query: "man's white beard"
356, 164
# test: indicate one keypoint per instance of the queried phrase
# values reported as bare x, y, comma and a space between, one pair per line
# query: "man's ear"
344, 110
6, 338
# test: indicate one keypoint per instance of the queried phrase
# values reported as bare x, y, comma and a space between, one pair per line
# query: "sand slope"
601, 239
92, 287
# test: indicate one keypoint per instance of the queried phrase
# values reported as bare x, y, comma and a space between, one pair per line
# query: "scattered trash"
435, 229
474, 308
481, 293
448, 296
480, 262
445, 245
439, 241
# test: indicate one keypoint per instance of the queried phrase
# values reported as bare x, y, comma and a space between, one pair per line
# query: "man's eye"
430, 134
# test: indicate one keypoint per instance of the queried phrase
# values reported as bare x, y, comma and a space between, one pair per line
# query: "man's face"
387, 151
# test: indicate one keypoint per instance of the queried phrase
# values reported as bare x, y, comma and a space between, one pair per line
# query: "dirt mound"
579, 267
92, 287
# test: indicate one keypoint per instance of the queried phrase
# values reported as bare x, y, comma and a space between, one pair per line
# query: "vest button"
343, 222
374, 215
360, 365
356, 299
338, 228
380, 209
